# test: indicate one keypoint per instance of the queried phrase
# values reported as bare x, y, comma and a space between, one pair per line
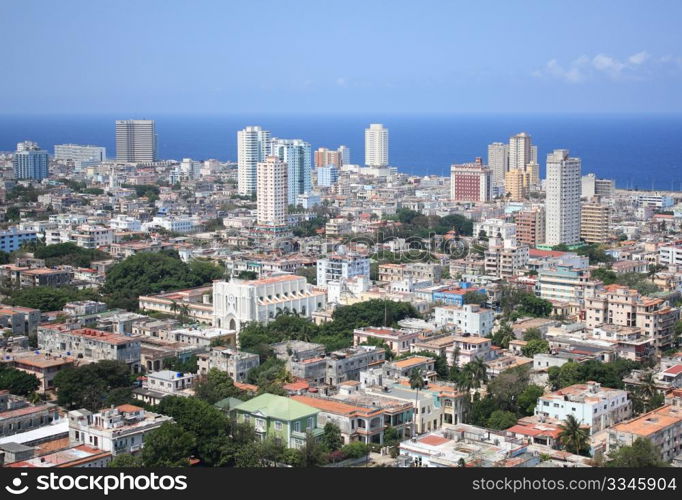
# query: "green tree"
17, 382
500, 419
168, 446
90, 385
331, 439
206, 423
475, 298
574, 437
215, 386
532, 334
150, 273
642, 453
528, 399
503, 336
534, 347
356, 449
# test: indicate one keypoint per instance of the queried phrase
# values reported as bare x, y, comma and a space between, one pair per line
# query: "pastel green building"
280, 418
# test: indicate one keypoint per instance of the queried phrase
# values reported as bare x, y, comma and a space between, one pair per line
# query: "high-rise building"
30, 162
135, 140
272, 192
296, 154
81, 156
376, 145
470, 182
592, 186
520, 151
253, 147
325, 157
498, 162
345, 154
595, 223
517, 184
562, 204
530, 227
327, 176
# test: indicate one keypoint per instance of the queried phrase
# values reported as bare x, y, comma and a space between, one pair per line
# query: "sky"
322, 56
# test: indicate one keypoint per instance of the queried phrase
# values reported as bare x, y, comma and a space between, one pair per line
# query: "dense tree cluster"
94, 386
17, 382
149, 273
335, 334
609, 374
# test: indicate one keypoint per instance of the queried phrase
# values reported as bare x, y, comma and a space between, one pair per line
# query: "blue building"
297, 155
12, 239
327, 176
30, 162
455, 296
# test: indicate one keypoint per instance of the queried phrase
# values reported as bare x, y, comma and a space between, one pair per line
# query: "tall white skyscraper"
376, 145
562, 205
253, 146
298, 157
498, 162
345, 154
271, 192
135, 140
520, 151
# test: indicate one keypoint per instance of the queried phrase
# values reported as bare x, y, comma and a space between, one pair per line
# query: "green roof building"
283, 419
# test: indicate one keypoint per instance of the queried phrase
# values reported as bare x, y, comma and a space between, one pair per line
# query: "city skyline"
444, 60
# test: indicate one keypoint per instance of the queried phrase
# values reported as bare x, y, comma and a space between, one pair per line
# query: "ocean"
638, 151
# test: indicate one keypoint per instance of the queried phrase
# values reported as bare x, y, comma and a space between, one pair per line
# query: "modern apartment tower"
272, 192
521, 151
498, 162
30, 162
345, 154
253, 147
297, 155
376, 145
562, 205
135, 140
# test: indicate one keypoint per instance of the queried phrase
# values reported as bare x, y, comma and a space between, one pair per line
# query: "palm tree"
416, 382
647, 389
174, 307
573, 437
184, 313
479, 372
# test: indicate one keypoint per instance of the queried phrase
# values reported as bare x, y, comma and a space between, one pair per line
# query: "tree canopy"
150, 273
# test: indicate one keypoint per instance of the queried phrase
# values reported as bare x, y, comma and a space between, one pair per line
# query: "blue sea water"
636, 150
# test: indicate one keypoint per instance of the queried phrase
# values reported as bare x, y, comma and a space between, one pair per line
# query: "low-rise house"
76, 456
466, 349
90, 345
357, 423
44, 367
399, 341
117, 430
285, 420
465, 445
235, 363
470, 318
594, 406
662, 426
158, 385
18, 416
21, 320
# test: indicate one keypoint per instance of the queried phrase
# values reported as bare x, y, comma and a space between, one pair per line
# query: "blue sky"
340, 56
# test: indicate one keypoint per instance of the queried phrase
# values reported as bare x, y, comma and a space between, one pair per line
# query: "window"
297, 426
278, 426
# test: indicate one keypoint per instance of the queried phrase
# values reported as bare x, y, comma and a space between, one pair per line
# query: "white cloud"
635, 67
